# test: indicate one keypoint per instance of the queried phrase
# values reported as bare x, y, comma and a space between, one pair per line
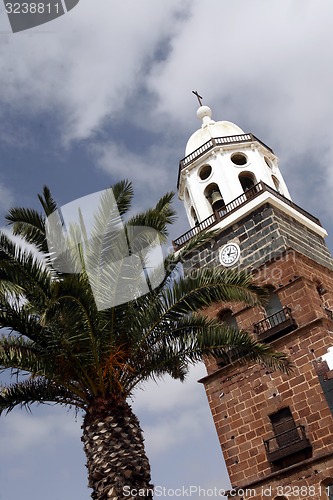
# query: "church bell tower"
275, 430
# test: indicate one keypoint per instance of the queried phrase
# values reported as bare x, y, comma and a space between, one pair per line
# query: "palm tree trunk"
116, 459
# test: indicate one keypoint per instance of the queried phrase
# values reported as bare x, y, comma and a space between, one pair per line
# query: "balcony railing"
212, 143
287, 443
240, 201
280, 322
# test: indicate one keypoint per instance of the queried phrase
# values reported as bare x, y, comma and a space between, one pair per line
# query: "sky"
104, 93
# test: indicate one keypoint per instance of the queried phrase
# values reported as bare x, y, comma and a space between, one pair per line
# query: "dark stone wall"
263, 236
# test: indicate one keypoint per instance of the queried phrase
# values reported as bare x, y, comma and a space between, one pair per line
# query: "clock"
229, 254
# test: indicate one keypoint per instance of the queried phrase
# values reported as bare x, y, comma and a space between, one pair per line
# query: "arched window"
194, 216
276, 184
329, 491
213, 195
274, 304
247, 180
226, 317
278, 319
327, 488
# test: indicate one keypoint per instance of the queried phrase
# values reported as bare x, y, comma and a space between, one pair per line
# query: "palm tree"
70, 351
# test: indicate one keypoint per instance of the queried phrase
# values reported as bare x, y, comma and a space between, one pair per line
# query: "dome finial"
204, 113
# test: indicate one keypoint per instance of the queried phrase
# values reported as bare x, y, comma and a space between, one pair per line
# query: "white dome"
209, 129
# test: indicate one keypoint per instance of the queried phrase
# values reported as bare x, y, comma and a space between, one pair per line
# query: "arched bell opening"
247, 180
194, 216
276, 183
213, 195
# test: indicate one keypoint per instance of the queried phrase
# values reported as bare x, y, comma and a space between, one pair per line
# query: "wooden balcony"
290, 442
275, 325
231, 207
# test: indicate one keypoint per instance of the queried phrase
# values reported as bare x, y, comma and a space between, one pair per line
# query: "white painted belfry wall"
224, 166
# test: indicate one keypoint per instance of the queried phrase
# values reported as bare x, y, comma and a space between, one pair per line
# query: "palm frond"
99, 326
189, 340
157, 218
21, 354
36, 390
23, 270
123, 193
29, 225
47, 201
198, 240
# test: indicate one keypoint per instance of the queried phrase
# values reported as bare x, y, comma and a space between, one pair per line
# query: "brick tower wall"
242, 398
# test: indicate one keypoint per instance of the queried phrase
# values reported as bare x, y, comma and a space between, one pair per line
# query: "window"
278, 319
329, 491
289, 444
205, 172
239, 159
327, 487
213, 195
274, 304
268, 162
226, 317
284, 427
194, 216
247, 180
276, 184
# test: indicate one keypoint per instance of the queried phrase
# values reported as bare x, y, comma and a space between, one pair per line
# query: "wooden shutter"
284, 427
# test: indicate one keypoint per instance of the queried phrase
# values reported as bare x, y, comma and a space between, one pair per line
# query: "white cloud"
86, 64
22, 431
264, 66
149, 171
6, 197
174, 412
168, 394
175, 430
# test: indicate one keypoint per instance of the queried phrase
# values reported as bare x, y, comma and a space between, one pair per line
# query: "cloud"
6, 197
173, 412
97, 73
82, 67
174, 430
168, 394
148, 170
263, 67
22, 432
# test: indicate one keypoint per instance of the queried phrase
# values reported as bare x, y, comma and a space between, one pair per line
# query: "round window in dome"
205, 172
268, 162
239, 159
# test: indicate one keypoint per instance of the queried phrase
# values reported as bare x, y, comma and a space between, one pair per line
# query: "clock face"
229, 254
